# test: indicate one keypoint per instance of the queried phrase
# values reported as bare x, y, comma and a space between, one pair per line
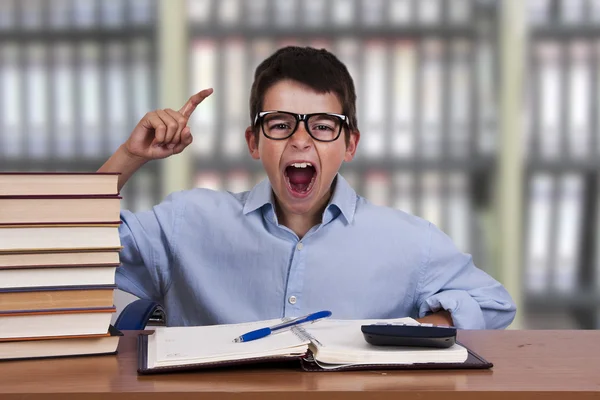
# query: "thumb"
189, 107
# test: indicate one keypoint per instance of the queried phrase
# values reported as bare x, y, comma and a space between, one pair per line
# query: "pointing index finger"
189, 107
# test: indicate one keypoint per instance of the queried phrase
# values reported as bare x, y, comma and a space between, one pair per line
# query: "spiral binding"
303, 335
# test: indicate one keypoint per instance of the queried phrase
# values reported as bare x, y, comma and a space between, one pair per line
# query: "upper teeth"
302, 165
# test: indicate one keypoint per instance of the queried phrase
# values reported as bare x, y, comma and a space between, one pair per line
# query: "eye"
279, 125
322, 128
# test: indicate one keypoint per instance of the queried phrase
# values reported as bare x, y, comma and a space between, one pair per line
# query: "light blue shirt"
217, 257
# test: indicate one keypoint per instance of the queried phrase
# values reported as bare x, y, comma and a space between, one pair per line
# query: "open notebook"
330, 345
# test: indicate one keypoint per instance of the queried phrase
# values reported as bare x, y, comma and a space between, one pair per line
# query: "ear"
352, 145
252, 142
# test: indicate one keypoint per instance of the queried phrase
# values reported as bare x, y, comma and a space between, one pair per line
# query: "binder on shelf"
144, 182
235, 98
404, 187
343, 12
112, 13
259, 14
459, 12
13, 99
538, 237
63, 98
141, 77
459, 211
551, 98
204, 75
315, 13
572, 12
32, 16
569, 228
431, 198
60, 14
7, 15
580, 84
538, 12
91, 130
460, 99
373, 13
429, 12
37, 97
377, 187
431, 89
375, 85
594, 11
238, 181
486, 96
199, 11
209, 179
285, 13
401, 12
403, 114
142, 12
230, 12
84, 13
117, 98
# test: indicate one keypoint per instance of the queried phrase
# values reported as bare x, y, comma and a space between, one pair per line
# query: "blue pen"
261, 333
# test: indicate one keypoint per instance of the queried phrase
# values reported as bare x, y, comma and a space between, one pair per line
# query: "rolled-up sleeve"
450, 281
146, 255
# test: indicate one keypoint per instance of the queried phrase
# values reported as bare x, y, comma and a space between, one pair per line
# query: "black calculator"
422, 335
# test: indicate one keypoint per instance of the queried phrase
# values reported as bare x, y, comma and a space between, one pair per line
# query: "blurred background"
478, 115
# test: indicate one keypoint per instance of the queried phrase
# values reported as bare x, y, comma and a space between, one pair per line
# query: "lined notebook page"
342, 342
205, 344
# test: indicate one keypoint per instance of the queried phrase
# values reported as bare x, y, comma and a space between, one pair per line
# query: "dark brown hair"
317, 69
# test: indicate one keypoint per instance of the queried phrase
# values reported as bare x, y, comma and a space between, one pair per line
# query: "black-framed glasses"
280, 125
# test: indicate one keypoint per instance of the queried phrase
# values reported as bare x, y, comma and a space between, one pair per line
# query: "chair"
140, 313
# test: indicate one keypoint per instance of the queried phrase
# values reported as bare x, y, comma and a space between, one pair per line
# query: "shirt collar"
344, 198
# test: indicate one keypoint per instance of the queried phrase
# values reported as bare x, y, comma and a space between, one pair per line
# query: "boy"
302, 240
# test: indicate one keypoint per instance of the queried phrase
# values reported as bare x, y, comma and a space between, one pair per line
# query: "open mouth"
300, 177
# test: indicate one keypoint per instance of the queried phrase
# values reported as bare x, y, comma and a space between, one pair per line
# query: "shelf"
565, 31
58, 165
98, 34
566, 165
363, 165
555, 300
333, 32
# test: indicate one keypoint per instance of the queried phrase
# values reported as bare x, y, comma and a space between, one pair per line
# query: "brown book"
59, 209
51, 298
57, 183
61, 322
59, 258
24, 238
45, 276
81, 345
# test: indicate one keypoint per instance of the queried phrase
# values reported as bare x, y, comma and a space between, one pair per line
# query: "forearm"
125, 163
438, 318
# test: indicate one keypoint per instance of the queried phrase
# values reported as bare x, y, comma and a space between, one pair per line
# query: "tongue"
300, 177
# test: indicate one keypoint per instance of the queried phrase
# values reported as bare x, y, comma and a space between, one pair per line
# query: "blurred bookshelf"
562, 145
77, 75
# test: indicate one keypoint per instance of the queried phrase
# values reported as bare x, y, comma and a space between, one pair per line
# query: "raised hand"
162, 133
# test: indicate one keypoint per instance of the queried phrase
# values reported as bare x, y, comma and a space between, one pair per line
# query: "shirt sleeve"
146, 238
450, 281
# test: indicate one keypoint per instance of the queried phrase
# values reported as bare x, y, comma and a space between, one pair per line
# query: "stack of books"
59, 250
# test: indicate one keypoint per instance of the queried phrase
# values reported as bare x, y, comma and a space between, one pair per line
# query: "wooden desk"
527, 365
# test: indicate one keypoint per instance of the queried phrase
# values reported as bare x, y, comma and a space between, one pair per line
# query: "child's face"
277, 156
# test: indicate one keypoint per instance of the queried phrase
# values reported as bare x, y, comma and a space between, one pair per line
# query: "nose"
301, 139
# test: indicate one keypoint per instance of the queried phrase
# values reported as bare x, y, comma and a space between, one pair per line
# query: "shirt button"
292, 299
299, 246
